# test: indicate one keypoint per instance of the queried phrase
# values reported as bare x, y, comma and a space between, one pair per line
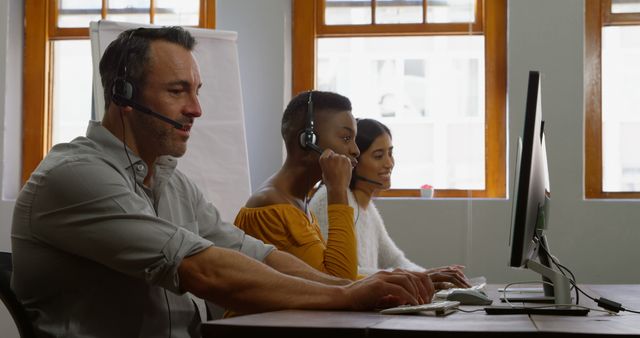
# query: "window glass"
129, 11
428, 90
399, 11
625, 6
78, 13
178, 13
620, 102
450, 11
72, 89
347, 12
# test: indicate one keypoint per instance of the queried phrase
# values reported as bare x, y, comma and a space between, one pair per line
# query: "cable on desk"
573, 305
506, 300
602, 302
469, 311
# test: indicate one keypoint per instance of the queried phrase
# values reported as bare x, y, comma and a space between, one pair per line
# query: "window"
612, 98
57, 102
434, 71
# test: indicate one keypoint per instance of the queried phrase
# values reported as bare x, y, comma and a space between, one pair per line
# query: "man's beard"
155, 133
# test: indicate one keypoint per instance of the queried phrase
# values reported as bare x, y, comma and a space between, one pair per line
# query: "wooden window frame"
597, 15
308, 25
41, 29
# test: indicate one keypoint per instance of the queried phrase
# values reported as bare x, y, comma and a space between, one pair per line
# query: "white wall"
264, 34
11, 33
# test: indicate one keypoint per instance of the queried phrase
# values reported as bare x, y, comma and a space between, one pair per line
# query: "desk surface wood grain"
335, 324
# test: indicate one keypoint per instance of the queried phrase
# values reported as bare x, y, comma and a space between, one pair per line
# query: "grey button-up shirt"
96, 255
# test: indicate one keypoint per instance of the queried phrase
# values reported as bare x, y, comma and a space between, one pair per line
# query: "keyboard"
439, 307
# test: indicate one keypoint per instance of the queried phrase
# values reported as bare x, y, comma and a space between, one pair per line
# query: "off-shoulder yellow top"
289, 229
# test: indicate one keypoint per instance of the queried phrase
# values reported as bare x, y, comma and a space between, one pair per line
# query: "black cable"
572, 279
555, 262
166, 297
168, 310
358, 208
602, 302
135, 188
306, 199
124, 146
560, 267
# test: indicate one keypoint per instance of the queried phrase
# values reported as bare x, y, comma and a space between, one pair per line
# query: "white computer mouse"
469, 297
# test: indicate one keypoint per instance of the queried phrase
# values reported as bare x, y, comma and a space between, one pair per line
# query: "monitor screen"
532, 193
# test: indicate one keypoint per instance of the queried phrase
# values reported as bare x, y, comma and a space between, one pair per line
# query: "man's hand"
388, 289
336, 174
446, 277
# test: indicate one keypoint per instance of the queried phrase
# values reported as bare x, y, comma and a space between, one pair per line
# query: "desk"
334, 324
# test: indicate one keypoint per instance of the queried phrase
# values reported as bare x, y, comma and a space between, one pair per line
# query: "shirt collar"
114, 148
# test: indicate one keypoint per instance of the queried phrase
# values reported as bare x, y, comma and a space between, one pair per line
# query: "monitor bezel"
523, 224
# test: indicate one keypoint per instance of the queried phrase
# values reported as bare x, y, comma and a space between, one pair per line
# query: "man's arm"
235, 281
293, 266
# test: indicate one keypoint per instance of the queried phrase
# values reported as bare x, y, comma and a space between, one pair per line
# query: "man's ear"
125, 109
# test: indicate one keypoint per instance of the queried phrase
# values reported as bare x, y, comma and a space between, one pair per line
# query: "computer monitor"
532, 199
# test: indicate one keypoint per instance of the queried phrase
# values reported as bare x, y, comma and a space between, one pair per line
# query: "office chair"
25, 328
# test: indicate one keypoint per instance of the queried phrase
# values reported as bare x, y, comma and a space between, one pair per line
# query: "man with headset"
107, 235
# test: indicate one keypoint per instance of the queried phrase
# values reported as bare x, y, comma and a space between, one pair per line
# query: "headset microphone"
315, 148
367, 180
123, 101
319, 151
308, 137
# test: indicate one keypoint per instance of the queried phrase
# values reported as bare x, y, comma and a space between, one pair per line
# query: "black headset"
308, 136
122, 89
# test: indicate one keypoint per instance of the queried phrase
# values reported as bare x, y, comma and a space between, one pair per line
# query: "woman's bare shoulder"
266, 196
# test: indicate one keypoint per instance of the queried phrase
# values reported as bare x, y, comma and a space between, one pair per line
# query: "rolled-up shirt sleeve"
103, 220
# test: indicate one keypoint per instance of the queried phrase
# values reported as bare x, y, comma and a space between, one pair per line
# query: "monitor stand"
559, 293
525, 294
516, 296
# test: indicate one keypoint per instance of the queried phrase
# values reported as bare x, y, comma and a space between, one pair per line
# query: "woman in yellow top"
319, 131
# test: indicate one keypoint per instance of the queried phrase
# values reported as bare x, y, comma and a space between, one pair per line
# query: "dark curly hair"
294, 117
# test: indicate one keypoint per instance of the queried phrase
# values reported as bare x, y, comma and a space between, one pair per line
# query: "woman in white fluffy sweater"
376, 250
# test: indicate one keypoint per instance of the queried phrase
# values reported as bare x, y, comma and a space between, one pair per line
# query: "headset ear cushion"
303, 139
306, 137
122, 89
312, 138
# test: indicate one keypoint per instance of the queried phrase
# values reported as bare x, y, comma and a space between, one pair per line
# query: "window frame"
308, 25
598, 15
40, 24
